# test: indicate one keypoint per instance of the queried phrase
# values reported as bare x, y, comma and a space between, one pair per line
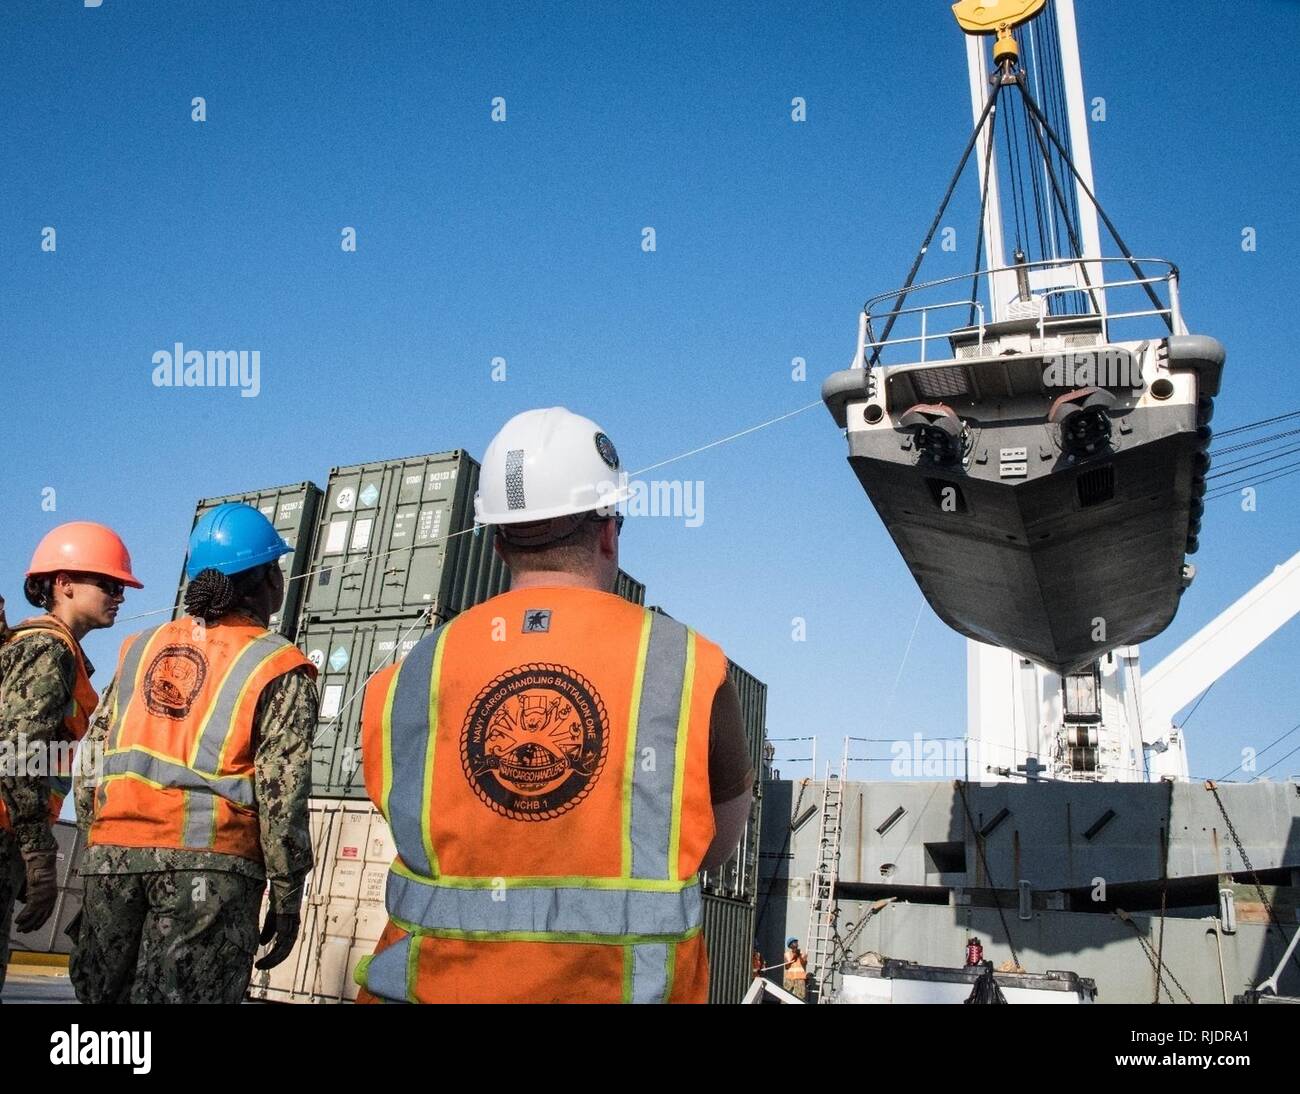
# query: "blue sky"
522, 240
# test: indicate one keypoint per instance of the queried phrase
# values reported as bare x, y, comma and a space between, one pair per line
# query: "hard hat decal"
607, 451
534, 742
172, 681
515, 479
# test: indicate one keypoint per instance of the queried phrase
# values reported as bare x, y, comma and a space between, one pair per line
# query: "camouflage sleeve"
286, 720
85, 774
40, 672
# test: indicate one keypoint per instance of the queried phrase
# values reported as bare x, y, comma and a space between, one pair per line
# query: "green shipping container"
346, 654
292, 509
729, 940
392, 537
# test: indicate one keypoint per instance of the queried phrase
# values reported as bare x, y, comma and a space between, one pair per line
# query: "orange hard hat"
83, 547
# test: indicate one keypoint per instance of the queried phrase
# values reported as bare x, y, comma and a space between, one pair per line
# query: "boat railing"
1054, 296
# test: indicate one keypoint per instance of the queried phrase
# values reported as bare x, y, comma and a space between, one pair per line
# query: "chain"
988, 874
1245, 858
1149, 953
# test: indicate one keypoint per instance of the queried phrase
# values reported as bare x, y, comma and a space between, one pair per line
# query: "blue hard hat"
232, 538
791, 941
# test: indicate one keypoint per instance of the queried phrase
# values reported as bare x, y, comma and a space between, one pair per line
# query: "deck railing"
1058, 293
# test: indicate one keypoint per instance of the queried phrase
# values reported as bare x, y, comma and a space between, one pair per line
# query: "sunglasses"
106, 585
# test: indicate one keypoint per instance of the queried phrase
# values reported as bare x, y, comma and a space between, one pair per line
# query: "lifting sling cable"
1061, 205
1062, 115
1015, 181
1031, 70
1031, 172
984, 201
1053, 94
1110, 225
934, 225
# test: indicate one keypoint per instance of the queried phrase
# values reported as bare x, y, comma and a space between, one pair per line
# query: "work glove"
42, 890
281, 926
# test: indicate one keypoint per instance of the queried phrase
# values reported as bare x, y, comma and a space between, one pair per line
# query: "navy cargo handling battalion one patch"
173, 680
607, 452
534, 742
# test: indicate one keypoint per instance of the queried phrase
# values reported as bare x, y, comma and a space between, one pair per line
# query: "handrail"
1167, 274
1048, 263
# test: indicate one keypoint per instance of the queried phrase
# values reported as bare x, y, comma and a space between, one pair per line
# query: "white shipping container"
343, 910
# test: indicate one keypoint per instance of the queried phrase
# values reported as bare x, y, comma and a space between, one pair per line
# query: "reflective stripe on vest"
391, 973
413, 701
127, 679
162, 772
652, 980
665, 675
584, 909
209, 749
200, 822
647, 910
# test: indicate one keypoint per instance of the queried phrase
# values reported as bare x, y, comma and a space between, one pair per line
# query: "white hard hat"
546, 464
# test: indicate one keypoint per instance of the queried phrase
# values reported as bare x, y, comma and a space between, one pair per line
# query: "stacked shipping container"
292, 509
396, 554
392, 539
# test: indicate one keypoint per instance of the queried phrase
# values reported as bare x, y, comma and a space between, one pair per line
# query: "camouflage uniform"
37, 676
12, 874
162, 925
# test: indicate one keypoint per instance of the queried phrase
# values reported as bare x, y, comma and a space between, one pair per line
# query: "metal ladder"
822, 909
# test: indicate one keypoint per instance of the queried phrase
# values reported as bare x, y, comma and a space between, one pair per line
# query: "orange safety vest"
178, 758
549, 798
76, 715
796, 968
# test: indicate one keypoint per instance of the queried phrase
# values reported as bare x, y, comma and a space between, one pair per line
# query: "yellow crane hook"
997, 17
